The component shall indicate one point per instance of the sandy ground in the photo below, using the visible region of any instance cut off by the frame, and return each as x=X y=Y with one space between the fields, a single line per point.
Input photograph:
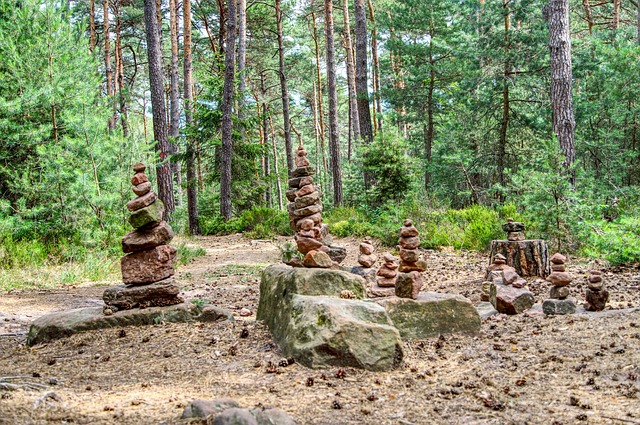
x=526 y=369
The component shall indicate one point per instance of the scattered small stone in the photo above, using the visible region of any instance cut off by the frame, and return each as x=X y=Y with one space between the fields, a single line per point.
x=244 y=312
x=336 y=404
x=244 y=333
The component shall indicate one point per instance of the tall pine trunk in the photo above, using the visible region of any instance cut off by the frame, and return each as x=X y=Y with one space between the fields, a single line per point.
x=354 y=123
x=158 y=108
x=375 y=71
x=283 y=87
x=320 y=112
x=334 y=139
x=92 y=25
x=242 y=59
x=557 y=15
x=227 y=110
x=364 y=113
x=192 y=190
x=174 y=97
x=111 y=124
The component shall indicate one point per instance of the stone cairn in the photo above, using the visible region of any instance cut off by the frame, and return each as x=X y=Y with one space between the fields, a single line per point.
x=388 y=272
x=367 y=258
x=409 y=280
x=515 y=230
x=596 y=295
x=559 y=301
x=147 y=269
x=505 y=289
x=305 y=216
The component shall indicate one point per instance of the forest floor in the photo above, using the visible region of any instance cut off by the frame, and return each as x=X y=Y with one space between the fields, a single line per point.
x=525 y=369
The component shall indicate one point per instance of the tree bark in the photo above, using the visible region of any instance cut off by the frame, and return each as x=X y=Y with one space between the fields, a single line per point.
x=364 y=113
x=227 y=109
x=174 y=95
x=242 y=58
x=192 y=192
x=375 y=69
x=334 y=137
x=92 y=25
x=354 y=124
x=284 y=90
x=111 y=124
x=506 y=112
x=120 y=74
x=429 y=130
x=154 y=54
x=557 y=15
x=529 y=257
x=320 y=114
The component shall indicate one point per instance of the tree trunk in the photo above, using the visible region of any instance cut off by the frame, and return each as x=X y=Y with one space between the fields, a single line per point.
x=557 y=15
x=120 y=74
x=429 y=130
x=320 y=114
x=154 y=53
x=192 y=192
x=227 y=109
x=506 y=113
x=266 y=120
x=334 y=138
x=588 y=16
x=375 y=71
x=174 y=95
x=285 y=91
x=92 y=25
x=242 y=58
x=364 y=113
x=354 y=124
x=222 y=29
x=111 y=125
x=529 y=257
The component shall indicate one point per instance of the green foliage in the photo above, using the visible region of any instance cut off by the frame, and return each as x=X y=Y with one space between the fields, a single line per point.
x=187 y=253
x=617 y=242
x=257 y=222
x=289 y=251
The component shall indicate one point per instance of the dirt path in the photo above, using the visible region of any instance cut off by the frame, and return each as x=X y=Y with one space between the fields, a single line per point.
x=526 y=369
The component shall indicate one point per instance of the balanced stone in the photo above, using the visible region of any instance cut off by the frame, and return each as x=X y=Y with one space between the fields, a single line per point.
x=157 y=294
x=409 y=243
x=307 y=200
x=303 y=171
x=139 y=178
x=418 y=266
x=409 y=255
x=553 y=306
x=366 y=247
x=291 y=194
x=305 y=190
x=294 y=183
x=508 y=299
x=148 y=266
x=304 y=181
x=559 y=303
x=142 y=201
x=558 y=267
x=147 y=237
x=307 y=244
x=558 y=258
x=139 y=167
x=560 y=278
x=408 y=285
x=142 y=188
x=308 y=210
x=367 y=260
x=559 y=292
x=315 y=258
x=596 y=294
x=147 y=215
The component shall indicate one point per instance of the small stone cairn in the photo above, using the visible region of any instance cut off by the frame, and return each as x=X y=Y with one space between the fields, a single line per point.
x=596 y=295
x=147 y=269
x=515 y=230
x=559 y=301
x=506 y=290
x=409 y=280
x=305 y=215
x=367 y=257
x=388 y=272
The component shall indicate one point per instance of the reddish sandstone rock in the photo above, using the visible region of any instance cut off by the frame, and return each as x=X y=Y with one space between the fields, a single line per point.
x=560 y=278
x=409 y=243
x=142 y=201
x=139 y=178
x=307 y=244
x=146 y=238
x=142 y=188
x=408 y=285
x=317 y=259
x=148 y=266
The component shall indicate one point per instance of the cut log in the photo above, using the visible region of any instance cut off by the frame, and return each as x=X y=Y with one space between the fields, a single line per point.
x=529 y=257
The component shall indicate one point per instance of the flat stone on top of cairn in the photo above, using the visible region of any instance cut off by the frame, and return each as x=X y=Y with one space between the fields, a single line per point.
x=596 y=295
x=149 y=260
x=559 y=301
x=305 y=216
x=409 y=280
x=515 y=230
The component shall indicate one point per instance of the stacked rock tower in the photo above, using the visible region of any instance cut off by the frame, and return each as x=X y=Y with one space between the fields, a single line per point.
x=409 y=280
x=559 y=301
x=596 y=295
x=147 y=269
x=367 y=257
x=305 y=216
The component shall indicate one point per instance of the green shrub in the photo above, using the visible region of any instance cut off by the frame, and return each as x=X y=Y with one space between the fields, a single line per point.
x=187 y=254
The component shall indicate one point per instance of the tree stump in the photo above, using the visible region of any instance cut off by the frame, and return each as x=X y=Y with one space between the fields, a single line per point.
x=529 y=257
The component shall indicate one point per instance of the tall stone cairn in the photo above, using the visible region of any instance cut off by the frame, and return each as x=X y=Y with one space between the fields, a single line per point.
x=559 y=301
x=596 y=295
x=409 y=280
x=305 y=217
x=147 y=269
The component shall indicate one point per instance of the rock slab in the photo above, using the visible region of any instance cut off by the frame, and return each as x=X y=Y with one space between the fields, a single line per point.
x=158 y=294
x=148 y=266
x=432 y=314
x=509 y=299
x=66 y=323
x=553 y=306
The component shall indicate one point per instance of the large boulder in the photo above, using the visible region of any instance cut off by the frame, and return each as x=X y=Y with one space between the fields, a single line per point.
x=66 y=323
x=319 y=331
x=508 y=299
x=432 y=314
x=325 y=331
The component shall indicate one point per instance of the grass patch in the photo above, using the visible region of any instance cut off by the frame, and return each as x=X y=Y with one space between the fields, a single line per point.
x=187 y=253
